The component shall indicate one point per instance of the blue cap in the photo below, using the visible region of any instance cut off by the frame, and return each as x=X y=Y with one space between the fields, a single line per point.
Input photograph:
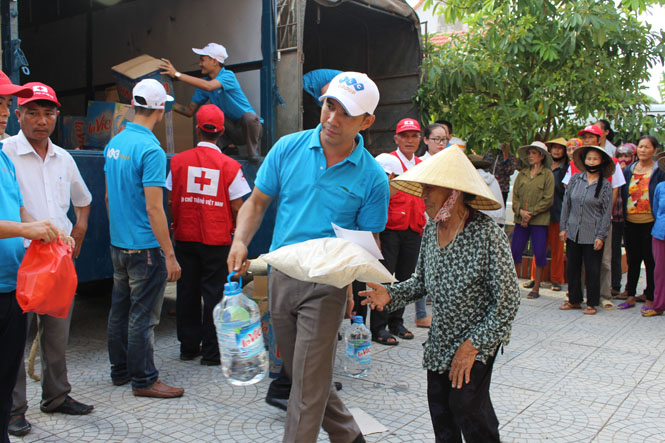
x=358 y=319
x=232 y=288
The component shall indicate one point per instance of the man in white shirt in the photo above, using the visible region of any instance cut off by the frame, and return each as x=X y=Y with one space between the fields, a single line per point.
x=49 y=180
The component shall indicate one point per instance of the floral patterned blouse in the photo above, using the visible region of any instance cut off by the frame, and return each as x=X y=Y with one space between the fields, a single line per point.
x=637 y=205
x=473 y=287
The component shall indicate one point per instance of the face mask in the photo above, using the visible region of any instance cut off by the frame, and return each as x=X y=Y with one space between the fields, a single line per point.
x=592 y=169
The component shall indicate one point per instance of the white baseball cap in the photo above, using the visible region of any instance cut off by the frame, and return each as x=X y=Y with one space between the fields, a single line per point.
x=152 y=92
x=390 y=163
x=213 y=50
x=355 y=91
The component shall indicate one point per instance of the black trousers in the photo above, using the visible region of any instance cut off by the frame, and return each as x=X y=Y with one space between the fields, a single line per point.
x=203 y=275
x=12 y=341
x=467 y=411
x=617 y=236
x=638 y=250
x=579 y=254
x=400 y=254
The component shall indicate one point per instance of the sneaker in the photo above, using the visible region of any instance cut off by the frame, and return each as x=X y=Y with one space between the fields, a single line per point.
x=71 y=407
x=159 y=390
x=18 y=425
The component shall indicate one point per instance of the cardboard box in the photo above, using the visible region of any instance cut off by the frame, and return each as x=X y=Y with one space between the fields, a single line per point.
x=129 y=73
x=72 y=132
x=104 y=120
x=183 y=132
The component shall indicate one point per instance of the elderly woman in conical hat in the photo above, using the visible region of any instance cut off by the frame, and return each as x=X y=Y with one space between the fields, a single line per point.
x=533 y=196
x=465 y=267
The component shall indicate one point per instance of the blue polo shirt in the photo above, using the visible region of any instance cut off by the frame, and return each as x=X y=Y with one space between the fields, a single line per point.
x=313 y=81
x=11 y=249
x=229 y=98
x=352 y=194
x=133 y=160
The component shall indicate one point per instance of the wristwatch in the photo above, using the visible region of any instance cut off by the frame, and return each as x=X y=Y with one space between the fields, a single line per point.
x=178 y=74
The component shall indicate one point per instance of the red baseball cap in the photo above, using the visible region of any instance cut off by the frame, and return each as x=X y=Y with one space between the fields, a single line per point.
x=40 y=91
x=593 y=129
x=210 y=118
x=407 y=124
x=9 y=88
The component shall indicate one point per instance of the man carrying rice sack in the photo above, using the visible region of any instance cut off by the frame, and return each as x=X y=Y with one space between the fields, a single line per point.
x=320 y=176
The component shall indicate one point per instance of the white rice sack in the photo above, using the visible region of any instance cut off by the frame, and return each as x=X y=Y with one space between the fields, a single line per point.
x=331 y=261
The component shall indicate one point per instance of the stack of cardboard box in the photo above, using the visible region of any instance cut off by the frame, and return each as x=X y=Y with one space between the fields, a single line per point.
x=107 y=118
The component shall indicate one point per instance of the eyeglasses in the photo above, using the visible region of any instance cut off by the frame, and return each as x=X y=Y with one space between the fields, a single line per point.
x=439 y=140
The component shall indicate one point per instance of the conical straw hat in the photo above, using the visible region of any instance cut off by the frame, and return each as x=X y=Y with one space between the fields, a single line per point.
x=449 y=168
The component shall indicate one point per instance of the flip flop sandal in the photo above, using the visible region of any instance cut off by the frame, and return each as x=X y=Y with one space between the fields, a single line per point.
x=608 y=305
x=590 y=310
x=533 y=294
x=625 y=305
x=622 y=296
x=642 y=298
x=646 y=308
x=651 y=313
x=530 y=284
x=383 y=338
x=556 y=287
x=567 y=306
x=402 y=333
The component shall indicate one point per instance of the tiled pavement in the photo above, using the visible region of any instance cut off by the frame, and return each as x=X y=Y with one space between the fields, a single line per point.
x=564 y=377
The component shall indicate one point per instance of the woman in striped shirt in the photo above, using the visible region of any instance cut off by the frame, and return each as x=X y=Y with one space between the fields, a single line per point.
x=585 y=223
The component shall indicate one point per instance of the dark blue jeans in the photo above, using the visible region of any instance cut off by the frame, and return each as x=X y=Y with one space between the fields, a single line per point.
x=12 y=342
x=139 y=279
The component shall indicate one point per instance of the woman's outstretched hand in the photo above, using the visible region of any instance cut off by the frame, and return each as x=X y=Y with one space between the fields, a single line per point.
x=376 y=298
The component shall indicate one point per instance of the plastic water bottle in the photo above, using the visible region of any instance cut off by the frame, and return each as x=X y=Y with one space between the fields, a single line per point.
x=357 y=344
x=238 y=324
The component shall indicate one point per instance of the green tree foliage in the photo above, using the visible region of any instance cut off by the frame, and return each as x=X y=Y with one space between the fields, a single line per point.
x=538 y=69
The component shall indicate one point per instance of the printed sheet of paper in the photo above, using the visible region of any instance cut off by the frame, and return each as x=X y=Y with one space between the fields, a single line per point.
x=367 y=423
x=361 y=238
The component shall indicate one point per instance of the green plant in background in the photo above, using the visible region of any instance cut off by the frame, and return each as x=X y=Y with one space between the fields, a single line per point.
x=538 y=69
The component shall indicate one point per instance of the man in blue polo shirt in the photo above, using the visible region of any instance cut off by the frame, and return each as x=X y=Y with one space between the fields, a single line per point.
x=318 y=176
x=141 y=250
x=220 y=87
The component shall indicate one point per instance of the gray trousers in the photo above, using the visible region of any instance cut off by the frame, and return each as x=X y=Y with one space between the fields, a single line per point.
x=246 y=131
x=306 y=318
x=53 y=337
x=606 y=269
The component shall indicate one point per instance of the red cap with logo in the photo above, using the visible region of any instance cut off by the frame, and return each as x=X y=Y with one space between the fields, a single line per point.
x=592 y=129
x=210 y=118
x=40 y=91
x=407 y=124
x=9 y=88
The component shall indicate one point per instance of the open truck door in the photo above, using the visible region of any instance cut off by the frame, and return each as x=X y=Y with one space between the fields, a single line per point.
x=378 y=37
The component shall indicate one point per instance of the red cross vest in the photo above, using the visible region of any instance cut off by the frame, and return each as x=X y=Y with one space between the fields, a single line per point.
x=406 y=211
x=200 y=195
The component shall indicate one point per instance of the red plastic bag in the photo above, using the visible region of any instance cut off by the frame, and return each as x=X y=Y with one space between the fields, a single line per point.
x=47 y=280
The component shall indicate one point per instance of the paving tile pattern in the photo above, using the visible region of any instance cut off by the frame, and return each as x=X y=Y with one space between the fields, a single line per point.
x=565 y=377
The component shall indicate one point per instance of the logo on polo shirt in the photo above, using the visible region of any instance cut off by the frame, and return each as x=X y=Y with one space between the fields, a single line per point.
x=202 y=180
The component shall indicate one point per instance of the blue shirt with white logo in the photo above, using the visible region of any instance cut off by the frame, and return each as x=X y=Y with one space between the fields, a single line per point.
x=313 y=81
x=11 y=249
x=352 y=194
x=133 y=160
x=229 y=98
